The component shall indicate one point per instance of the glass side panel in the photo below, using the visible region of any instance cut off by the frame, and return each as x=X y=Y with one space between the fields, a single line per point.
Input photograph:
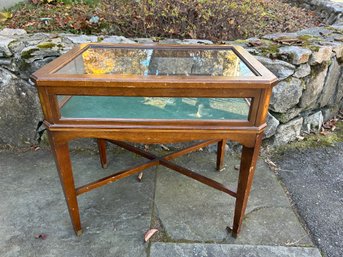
x=105 y=107
x=156 y=62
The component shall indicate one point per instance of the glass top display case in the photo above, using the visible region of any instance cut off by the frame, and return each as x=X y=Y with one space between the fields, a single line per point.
x=122 y=93
x=174 y=75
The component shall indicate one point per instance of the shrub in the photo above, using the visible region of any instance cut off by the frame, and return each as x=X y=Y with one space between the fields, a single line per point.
x=210 y=19
x=89 y=2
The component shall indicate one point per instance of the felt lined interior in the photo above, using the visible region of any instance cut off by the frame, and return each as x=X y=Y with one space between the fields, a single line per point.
x=155 y=108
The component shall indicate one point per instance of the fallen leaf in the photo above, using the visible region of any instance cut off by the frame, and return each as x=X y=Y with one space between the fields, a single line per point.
x=31 y=23
x=300 y=138
x=165 y=148
x=271 y=163
x=149 y=234
x=4 y=16
x=326 y=126
x=140 y=176
x=324 y=133
x=41 y=236
x=35 y=148
x=330 y=125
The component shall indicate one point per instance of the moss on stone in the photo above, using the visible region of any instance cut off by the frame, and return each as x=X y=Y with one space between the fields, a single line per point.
x=316 y=140
x=318 y=68
x=241 y=41
x=28 y=53
x=156 y=39
x=271 y=49
x=162 y=235
x=313 y=48
x=13 y=44
x=309 y=40
x=335 y=30
x=305 y=37
x=45 y=45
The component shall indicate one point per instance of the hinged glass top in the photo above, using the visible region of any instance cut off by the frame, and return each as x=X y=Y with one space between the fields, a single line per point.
x=154 y=61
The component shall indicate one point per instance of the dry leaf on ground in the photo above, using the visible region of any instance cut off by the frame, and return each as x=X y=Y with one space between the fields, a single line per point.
x=5 y=16
x=140 y=176
x=165 y=148
x=41 y=236
x=149 y=234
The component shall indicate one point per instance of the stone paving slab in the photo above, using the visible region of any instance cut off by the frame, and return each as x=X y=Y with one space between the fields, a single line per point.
x=114 y=217
x=222 y=250
x=197 y=212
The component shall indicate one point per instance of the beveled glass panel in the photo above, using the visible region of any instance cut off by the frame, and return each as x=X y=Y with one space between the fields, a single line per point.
x=117 y=107
x=157 y=62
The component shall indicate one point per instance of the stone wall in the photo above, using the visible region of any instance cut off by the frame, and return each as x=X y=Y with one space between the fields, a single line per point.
x=308 y=64
x=331 y=10
x=4 y=4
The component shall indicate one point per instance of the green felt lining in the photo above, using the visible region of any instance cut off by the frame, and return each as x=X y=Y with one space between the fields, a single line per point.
x=155 y=108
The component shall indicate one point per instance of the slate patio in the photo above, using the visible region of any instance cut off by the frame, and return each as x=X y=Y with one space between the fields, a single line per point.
x=191 y=217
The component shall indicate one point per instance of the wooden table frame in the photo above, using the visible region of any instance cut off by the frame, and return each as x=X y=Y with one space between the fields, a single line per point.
x=62 y=130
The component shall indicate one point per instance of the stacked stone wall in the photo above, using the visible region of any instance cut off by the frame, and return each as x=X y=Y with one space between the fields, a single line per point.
x=330 y=10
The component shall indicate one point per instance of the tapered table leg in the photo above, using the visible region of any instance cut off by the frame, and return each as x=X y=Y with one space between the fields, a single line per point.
x=64 y=168
x=102 y=152
x=246 y=174
x=221 y=154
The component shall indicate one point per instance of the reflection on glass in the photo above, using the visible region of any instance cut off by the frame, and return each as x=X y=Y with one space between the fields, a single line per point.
x=153 y=108
x=157 y=62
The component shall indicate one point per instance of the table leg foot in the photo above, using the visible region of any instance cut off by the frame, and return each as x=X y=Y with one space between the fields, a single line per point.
x=234 y=234
x=231 y=231
x=79 y=232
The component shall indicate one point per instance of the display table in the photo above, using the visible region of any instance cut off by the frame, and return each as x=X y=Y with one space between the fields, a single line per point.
x=155 y=94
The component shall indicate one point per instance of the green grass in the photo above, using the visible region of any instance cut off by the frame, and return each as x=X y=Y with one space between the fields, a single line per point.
x=314 y=140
